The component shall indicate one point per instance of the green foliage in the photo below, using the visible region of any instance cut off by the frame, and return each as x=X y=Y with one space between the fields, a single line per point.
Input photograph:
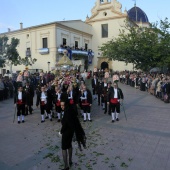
x=144 y=47
x=9 y=53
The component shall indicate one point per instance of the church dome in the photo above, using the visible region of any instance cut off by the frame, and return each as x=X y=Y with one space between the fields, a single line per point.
x=137 y=15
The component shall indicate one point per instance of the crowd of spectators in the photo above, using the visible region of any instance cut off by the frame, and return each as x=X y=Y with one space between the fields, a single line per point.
x=156 y=84
x=8 y=85
x=74 y=48
x=6 y=88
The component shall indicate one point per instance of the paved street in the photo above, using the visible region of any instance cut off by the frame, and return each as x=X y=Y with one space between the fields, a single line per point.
x=140 y=143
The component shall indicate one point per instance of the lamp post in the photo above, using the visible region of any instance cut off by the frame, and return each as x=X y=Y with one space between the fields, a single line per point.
x=28 y=54
x=48 y=66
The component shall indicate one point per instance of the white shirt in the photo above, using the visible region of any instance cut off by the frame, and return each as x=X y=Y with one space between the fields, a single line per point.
x=43 y=97
x=58 y=96
x=105 y=84
x=85 y=96
x=71 y=95
x=19 y=95
x=95 y=81
x=115 y=93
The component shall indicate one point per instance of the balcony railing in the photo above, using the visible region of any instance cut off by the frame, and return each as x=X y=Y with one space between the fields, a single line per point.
x=43 y=51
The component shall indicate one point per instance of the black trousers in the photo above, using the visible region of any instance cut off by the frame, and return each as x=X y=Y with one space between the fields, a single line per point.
x=115 y=107
x=58 y=109
x=43 y=109
x=20 y=109
x=98 y=98
x=105 y=105
x=86 y=108
x=28 y=108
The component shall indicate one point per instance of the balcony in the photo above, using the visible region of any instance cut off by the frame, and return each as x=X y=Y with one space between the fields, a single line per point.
x=44 y=51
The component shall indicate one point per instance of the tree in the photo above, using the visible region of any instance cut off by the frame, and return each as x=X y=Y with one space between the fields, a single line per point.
x=144 y=47
x=9 y=53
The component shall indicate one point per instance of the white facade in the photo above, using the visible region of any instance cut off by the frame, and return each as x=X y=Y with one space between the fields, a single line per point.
x=89 y=32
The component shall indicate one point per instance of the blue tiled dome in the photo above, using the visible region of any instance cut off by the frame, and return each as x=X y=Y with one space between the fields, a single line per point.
x=136 y=11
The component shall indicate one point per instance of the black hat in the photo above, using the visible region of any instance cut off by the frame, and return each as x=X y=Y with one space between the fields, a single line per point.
x=109 y=82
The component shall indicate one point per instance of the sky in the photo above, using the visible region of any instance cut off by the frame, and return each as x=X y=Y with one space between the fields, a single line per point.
x=36 y=12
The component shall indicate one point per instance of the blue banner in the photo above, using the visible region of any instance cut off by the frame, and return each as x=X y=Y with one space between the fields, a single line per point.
x=69 y=54
x=90 y=56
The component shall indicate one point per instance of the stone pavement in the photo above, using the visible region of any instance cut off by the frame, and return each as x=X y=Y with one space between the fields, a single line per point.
x=140 y=143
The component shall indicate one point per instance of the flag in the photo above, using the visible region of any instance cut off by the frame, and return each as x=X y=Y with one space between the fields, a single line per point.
x=90 y=57
x=69 y=54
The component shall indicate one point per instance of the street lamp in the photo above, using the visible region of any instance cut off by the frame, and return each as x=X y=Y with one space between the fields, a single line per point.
x=48 y=66
x=28 y=54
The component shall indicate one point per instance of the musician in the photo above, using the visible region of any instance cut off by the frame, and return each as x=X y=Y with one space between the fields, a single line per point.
x=20 y=102
x=115 y=94
x=86 y=100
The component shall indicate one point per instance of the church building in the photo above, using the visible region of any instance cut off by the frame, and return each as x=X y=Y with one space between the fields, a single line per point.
x=82 y=39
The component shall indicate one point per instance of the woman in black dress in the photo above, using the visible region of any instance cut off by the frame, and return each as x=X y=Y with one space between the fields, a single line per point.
x=70 y=125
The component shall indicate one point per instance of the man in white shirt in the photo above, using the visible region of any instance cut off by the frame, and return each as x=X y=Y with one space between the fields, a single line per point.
x=115 y=94
x=20 y=102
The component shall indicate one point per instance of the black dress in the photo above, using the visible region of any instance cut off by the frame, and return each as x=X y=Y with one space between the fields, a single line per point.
x=70 y=125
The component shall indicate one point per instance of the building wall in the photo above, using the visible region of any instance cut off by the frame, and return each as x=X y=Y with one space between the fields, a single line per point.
x=32 y=38
x=107 y=13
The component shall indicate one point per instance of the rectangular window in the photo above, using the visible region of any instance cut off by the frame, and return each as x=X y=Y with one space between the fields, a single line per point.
x=76 y=44
x=86 y=46
x=45 y=43
x=64 y=41
x=104 y=30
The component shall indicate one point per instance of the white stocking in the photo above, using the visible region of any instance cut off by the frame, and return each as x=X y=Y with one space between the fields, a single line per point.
x=113 y=116
x=42 y=117
x=88 y=114
x=84 y=116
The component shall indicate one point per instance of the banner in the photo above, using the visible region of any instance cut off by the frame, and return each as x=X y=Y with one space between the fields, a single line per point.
x=90 y=56
x=69 y=54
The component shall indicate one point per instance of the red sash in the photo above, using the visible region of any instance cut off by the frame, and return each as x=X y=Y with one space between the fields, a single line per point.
x=114 y=101
x=42 y=103
x=71 y=101
x=20 y=102
x=85 y=103
x=58 y=103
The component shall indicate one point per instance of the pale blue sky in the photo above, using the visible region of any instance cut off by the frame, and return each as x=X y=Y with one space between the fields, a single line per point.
x=35 y=12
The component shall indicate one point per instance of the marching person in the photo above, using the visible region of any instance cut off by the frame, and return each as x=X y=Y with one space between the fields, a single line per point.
x=80 y=103
x=57 y=102
x=43 y=101
x=29 y=91
x=108 y=88
x=50 y=92
x=94 y=84
x=72 y=97
x=20 y=102
x=115 y=94
x=42 y=81
x=104 y=95
x=86 y=101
